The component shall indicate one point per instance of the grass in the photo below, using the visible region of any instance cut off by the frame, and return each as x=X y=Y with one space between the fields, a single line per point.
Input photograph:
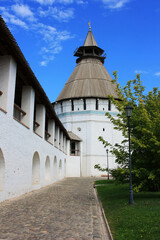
x=130 y=222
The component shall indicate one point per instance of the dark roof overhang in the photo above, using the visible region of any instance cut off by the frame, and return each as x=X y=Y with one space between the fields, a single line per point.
x=79 y=51
x=9 y=46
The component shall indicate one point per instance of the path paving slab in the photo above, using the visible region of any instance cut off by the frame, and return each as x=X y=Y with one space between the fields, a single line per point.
x=66 y=210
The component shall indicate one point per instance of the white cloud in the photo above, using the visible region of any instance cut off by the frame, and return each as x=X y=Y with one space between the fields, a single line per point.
x=65 y=1
x=18 y=22
x=43 y=63
x=115 y=4
x=23 y=11
x=157 y=74
x=64 y=35
x=46 y=60
x=10 y=18
x=49 y=38
x=45 y=2
x=2 y=9
x=81 y=2
x=62 y=15
x=140 y=72
x=57 y=50
x=48 y=33
x=52 y=39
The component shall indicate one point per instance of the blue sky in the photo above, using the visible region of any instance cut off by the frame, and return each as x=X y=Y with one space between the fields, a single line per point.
x=49 y=31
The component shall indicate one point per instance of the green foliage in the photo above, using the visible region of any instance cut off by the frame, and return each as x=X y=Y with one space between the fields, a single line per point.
x=97 y=166
x=145 y=134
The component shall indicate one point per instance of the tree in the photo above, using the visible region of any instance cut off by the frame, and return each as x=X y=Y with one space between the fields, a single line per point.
x=145 y=135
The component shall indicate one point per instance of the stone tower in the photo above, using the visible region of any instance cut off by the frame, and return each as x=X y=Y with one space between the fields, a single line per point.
x=83 y=102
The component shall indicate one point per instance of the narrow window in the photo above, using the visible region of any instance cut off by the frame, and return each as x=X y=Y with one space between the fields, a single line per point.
x=61 y=107
x=47 y=134
x=109 y=105
x=84 y=104
x=18 y=112
x=96 y=104
x=74 y=148
x=72 y=105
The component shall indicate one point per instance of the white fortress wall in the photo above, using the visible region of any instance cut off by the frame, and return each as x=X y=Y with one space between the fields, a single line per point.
x=28 y=158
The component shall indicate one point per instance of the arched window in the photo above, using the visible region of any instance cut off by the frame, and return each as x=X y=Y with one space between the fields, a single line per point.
x=55 y=168
x=2 y=171
x=47 y=169
x=36 y=169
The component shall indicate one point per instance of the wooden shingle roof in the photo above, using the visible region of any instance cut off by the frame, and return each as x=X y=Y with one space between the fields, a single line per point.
x=90 y=78
x=90 y=40
x=74 y=137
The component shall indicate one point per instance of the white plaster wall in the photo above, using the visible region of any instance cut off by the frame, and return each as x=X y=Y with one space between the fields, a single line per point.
x=73 y=166
x=89 y=125
x=18 y=145
x=8 y=69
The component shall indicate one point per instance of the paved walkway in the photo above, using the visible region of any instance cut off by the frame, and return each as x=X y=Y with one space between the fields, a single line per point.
x=66 y=210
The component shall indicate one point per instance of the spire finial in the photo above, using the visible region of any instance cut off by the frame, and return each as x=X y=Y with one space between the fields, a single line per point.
x=89 y=25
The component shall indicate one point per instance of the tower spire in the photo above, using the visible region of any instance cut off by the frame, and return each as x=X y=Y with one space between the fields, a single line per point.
x=89 y=25
x=90 y=48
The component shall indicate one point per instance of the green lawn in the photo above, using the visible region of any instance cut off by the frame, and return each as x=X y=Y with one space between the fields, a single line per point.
x=130 y=222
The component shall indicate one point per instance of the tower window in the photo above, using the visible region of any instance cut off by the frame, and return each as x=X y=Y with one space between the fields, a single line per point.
x=109 y=105
x=88 y=51
x=72 y=105
x=96 y=104
x=84 y=104
x=61 y=107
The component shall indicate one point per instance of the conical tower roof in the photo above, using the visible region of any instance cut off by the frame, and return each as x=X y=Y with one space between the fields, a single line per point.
x=90 y=40
x=89 y=78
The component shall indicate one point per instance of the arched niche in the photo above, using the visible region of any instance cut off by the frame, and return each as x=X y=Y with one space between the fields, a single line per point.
x=64 y=167
x=36 y=169
x=47 y=169
x=2 y=171
x=55 y=168
x=60 y=168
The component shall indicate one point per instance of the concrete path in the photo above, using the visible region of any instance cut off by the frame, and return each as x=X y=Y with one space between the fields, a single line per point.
x=66 y=210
